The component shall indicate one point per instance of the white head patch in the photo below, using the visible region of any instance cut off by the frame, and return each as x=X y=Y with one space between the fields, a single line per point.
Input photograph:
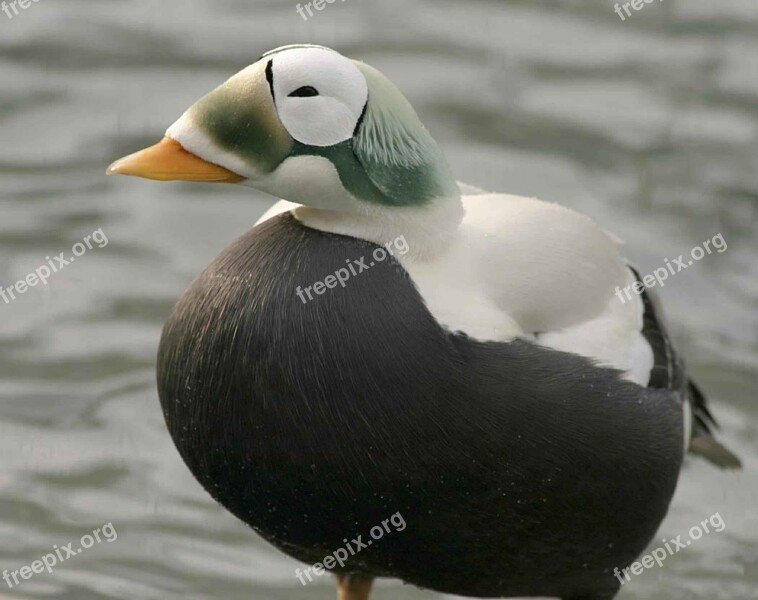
x=319 y=95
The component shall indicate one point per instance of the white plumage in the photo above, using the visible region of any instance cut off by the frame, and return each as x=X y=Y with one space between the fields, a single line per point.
x=514 y=267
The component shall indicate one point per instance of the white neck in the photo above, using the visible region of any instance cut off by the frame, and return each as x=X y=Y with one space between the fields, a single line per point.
x=426 y=229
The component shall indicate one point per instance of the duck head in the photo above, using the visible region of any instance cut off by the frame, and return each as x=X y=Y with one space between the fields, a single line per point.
x=309 y=125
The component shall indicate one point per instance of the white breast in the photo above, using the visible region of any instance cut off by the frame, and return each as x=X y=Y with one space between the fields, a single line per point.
x=520 y=267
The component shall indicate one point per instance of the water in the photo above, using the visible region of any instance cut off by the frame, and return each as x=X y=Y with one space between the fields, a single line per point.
x=647 y=125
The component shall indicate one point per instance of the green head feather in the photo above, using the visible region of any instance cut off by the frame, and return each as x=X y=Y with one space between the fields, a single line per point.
x=397 y=153
x=390 y=159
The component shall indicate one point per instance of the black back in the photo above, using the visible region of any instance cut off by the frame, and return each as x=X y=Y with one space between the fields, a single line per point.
x=519 y=470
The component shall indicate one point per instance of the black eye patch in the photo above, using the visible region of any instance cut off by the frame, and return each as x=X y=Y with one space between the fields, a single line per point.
x=304 y=92
x=270 y=76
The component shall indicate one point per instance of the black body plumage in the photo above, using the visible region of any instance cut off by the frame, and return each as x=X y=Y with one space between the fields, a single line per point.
x=518 y=469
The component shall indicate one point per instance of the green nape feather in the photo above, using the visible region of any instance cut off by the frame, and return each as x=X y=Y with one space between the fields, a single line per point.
x=392 y=159
x=396 y=151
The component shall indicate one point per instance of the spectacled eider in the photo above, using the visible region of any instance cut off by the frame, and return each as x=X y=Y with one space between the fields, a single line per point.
x=487 y=383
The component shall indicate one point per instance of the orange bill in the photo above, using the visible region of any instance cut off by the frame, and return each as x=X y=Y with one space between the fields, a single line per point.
x=168 y=161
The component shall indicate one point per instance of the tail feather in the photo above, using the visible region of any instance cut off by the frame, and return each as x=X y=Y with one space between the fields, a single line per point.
x=714 y=452
x=669 y=373
x=703 y=416
x=703 y=443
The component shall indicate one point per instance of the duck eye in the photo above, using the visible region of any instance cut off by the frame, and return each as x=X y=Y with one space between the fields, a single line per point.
x=304 y=92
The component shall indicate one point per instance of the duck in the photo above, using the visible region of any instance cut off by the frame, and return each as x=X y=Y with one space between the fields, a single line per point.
x=413 y=377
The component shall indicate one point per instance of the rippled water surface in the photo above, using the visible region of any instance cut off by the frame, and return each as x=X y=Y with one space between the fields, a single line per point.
x=647 y=125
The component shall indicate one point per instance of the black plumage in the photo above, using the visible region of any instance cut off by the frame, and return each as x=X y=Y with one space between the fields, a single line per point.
x=519 y=470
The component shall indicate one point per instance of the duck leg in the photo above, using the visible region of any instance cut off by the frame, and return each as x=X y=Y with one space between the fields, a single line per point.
x=353 y=587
